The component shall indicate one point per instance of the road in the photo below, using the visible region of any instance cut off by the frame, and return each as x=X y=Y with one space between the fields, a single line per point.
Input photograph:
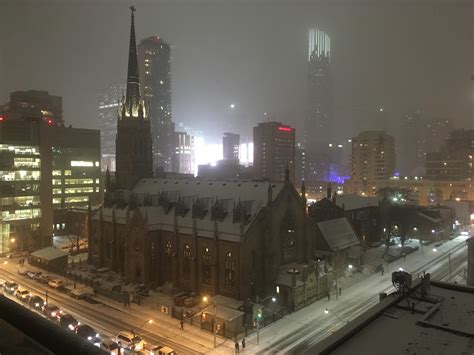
x=294 y=333
x=108 y=321
x=305 y=328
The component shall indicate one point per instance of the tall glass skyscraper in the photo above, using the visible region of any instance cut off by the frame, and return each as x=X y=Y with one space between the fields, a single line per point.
x=154 y=57
x=319 y=107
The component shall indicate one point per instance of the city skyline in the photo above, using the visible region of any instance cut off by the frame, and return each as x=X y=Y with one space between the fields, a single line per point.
x=366 y=60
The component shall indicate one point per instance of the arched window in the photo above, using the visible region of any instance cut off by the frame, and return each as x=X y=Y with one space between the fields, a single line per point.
x=206 y=266
x=187 y=262
x=229 y=272
x=288 y=239
x=168 y=248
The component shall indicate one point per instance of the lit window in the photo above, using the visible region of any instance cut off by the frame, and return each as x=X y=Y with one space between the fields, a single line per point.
x=82 y=163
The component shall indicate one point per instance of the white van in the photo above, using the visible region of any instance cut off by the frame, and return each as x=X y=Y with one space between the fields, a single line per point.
x=55 y=283
x=130 y=341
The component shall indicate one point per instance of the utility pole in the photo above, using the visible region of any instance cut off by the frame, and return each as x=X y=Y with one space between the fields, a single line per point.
x=449 y=263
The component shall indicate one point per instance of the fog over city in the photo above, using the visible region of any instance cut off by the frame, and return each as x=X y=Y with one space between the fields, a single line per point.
x=399 y=55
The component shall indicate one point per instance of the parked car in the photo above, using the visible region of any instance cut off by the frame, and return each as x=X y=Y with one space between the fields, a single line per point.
x=10 y=287
x=110 y=346
x=37 y=303
x=22 y=294
x=55 y=283
x=69 y=322
x=162 y=350
x=80 y=293
x=88 y=333
x=32 y=274
x=44 y=279
x=23 y=271
x=52 y=311
x=128 y=340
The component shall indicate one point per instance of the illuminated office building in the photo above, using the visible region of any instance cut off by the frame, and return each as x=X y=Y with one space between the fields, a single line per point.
x=46 y=169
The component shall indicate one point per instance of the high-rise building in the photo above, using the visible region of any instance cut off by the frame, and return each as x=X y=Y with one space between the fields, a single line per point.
x=133 y=145
x=231 y=146
x=274 y=151
x=454 y=161
x=319 y=107
x=109 y=101
x=300 y=164
x=35 y=105
x=183 y=159
x=154 y=58
x=373 y=159
x=410 y=144
x=46 y=169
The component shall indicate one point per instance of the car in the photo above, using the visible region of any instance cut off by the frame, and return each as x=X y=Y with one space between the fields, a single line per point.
x=110 y=346
x=32 y=274
x=80 y=293
x=88 y=333
x=44 y=279
x=23 y=271
x=69 y=322
x=55 y=283
x=162 y=350
x=130 y=341
x=51 y=311
x=10 y=287
x=22 y=294
x=37 y=303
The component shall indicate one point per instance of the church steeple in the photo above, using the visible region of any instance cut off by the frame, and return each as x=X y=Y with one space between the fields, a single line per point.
x=133 y=143
x=133 y=106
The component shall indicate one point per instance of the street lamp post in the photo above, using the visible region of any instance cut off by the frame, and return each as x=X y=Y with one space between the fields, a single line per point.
x=205 y=300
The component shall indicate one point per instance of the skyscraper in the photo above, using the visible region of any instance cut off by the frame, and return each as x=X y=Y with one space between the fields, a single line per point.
x=319 y=108
x=154 y=58
x=183 y=159
x=109 y=100
x=231 y=146
x=373 y=159
x=133 y=145
x=274 y=151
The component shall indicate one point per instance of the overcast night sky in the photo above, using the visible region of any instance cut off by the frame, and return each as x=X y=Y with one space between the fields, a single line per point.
x=402 y=55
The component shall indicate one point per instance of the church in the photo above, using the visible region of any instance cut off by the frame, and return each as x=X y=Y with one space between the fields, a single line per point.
x=212 y=237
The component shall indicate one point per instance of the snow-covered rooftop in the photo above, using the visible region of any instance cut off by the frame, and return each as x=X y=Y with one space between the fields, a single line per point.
x=354 y=202
x=338 y=233
x=252 y=195
x=49 y=253
x=441 y=324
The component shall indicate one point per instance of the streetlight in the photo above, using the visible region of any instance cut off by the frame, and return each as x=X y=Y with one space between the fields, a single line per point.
x=205 y=299
x=232 y=105
x=5 y=262
x=12 y=240
x=326 y=311
x=350 y=266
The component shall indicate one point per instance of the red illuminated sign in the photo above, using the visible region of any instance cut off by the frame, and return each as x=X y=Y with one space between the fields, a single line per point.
x=285 y=129
x=50 y=122
x=2 y=118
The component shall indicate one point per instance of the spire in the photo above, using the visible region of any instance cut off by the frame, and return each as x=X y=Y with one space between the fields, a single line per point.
x=132 y=98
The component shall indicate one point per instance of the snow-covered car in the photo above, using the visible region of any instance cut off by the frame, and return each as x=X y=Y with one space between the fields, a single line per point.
x=55 y=283
x=22 y=294
x=10 y=287
x=128 y=340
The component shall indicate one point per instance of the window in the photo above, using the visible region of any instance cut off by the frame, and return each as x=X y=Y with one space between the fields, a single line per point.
x=187 y=262
x=229 y=272
x=287 y=239
x=206 y=267
x=168 y=248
